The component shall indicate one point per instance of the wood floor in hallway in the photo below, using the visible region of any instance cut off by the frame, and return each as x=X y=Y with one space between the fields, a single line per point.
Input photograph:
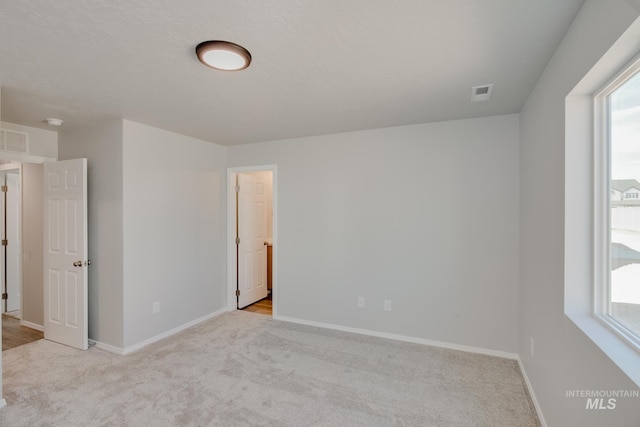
x=14 y=335
x=264 y=306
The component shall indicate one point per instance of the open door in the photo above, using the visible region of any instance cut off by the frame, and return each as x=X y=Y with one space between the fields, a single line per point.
x=251 y=233
x=65 y=253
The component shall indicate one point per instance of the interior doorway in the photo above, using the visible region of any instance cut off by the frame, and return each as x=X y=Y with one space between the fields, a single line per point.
x=10 y=237
x=22 y=311
x=252 y=239
x=63 y=316
x=24 y=250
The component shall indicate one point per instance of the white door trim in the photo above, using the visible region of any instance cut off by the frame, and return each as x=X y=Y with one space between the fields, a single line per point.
x=15 y=168
x=231 y=234
x=14 y=236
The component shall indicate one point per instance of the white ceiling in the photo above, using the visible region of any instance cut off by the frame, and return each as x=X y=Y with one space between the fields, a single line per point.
x=318 y=67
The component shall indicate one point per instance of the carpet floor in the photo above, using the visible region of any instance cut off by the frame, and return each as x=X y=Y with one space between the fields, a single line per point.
x=246 y=369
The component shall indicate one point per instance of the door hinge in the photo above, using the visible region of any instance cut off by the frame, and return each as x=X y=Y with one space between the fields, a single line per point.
x=237 y=292
x=5 y=296
x=237 y=188
x=237 y=240
x=5 y=188
x=5 y=242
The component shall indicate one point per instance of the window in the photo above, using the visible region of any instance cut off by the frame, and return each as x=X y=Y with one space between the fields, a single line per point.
x=617 y=220
x=588 y=213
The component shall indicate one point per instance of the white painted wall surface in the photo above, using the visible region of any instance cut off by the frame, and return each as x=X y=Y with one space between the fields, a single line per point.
x=101 y=144
x=564 y=358
x=174 y=230
x=378 y=214
x=32 y=238
x=42 y=142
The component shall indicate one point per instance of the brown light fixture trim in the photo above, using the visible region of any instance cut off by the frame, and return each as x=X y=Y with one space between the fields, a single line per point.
x=223 y=55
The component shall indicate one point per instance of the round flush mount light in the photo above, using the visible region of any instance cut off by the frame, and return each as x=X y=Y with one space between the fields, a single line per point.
x=223 y=55
x=54 y=122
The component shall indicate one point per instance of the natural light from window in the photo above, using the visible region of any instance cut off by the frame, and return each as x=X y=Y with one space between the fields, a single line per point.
x=623 y=296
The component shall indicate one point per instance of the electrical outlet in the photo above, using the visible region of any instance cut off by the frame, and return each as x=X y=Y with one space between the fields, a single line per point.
x=360 y=302
x=387 y=305
x=531 y=344
x=156 y=307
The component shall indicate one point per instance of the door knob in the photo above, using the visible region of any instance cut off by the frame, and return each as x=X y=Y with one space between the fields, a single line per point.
x=77 y=264
x=87 y=262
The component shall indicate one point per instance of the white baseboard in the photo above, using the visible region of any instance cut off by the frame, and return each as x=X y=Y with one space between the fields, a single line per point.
x=108 y=347
x=536 y=404
x=32 y=325
x=450 y=346
x=159 y=337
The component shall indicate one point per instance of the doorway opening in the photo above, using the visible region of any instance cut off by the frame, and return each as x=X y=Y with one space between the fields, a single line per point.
x=21 y=272
x=252 y=237
x=55 y=304
x=11 y=246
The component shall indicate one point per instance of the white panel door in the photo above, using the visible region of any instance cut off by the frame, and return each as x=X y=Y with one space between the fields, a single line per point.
x=252 y=231
x=13 y=241
x=65 y=253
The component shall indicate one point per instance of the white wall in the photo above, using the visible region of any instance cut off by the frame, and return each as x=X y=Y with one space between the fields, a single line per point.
x=42 y=142
x=174 y=230
x=32 y=243
x=564 y=358
x=101 y=144
x=156 y=228
x=382 y=214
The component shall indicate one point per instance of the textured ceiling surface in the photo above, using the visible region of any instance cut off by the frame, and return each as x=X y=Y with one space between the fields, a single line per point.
x=318 y=67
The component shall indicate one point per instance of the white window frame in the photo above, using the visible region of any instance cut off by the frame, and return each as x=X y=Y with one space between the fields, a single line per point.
x=602 y=202
x=579 y=224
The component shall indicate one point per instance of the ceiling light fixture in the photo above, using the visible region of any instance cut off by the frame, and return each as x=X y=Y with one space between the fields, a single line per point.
x=223 y=55
x=54 y=122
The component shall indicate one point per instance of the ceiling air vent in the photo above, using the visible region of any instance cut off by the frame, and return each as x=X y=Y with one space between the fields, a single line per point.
x=481 y=93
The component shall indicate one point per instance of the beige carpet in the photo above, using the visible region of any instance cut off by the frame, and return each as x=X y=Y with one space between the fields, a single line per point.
x=245 y=369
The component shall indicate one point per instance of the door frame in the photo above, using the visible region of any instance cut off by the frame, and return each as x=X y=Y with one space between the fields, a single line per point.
x=19 y=159
x=4 y=169
x=232 y=277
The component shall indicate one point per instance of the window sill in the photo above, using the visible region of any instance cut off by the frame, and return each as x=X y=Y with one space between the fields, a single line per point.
x=619 y=351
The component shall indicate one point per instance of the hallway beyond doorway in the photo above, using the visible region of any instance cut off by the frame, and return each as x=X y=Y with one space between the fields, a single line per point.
x=15 y=335
x=264 y=306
